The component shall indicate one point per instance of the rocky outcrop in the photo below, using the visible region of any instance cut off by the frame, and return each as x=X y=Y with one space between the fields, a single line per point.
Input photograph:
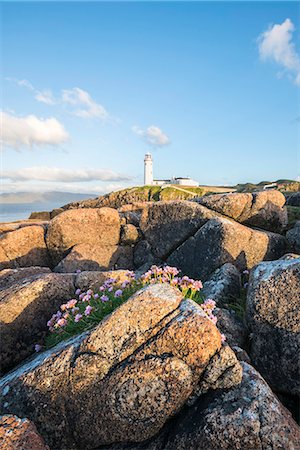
x=21 y=276
x=19 y=434
x=129 y=234
x=248 y=417
x=166 y=225
x=98 y=227
x=23 y=247
x=260 y=209
x=273 y=317
x=27 y=299
x=135 y=370
x=221 y=241
x=224 y=285
x=293 y=199
x=293 y=238
x=232 y=326
x=96 y=257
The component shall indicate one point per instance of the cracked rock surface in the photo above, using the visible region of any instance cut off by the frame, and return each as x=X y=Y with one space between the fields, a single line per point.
x=273 y=317
x=246 y=417
x=135 y=370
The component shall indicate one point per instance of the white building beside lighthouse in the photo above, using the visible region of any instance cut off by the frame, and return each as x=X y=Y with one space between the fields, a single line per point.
x=148 y=170
x=149 y=181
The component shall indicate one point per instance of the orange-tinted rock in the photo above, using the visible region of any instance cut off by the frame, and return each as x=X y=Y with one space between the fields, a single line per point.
x=96 y=257
x=134 y=370
x=263 y=209
x=25 y=307
x=23 y=248
x=19 y=434
x=99 y=227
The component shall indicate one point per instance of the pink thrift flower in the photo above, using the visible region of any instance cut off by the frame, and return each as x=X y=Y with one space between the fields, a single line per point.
x=78 y=317
x=118 y=293
x=37 y=347
x=96 y=296
x=223 y=338
x=88 y=310
x=61 y=322
x=104 y=298
x=78 y=291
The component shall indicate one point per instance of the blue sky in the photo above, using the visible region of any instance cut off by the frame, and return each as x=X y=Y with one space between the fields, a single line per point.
x=88 y=88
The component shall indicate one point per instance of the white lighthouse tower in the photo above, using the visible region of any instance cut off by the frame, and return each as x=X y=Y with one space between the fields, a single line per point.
x=148 y=170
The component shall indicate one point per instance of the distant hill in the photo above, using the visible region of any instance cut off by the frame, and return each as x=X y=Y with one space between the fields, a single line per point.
x=42 y=197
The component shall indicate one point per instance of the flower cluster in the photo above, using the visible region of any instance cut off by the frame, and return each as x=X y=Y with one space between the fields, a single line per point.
x=89 y=308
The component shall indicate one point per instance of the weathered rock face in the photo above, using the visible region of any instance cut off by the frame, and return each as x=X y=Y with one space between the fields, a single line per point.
x=273 y=316
x=260 y=209
x=93 y=280
x=129 y=234
x=224 y=285
x=135 y=370
x=96 y=257
x=221 y=241
x=294 y=199
x=23 y=248
x=247 y=417
x=19 y=434
x=293 y=238
x=231 y=326
x=166 y=225
x=98 y=227
x=26 y=304
x=9 y=277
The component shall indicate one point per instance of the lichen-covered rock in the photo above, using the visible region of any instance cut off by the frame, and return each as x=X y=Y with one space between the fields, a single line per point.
x=9 y=277
x=129 y=234
x=26 y=304
x=231 y=326
x=263 y=209
x=221 y=241
x=90 y=257
x=293 y=238
x=23 y=247
x=166 y=225
x=246 y=417
x=94 y=279
x=19 y=434
x=143 y=256
x=273 y=318
x=224 y=285
x=135 y=370
x=223 y=372
x=293 y=199
x=98 y=227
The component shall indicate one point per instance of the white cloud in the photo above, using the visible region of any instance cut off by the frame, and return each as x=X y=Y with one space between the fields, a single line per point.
x=55 y=174
x=86 y=106
x=152 y=135
x=44 y=96
x=276 y=45
x=31 y=131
